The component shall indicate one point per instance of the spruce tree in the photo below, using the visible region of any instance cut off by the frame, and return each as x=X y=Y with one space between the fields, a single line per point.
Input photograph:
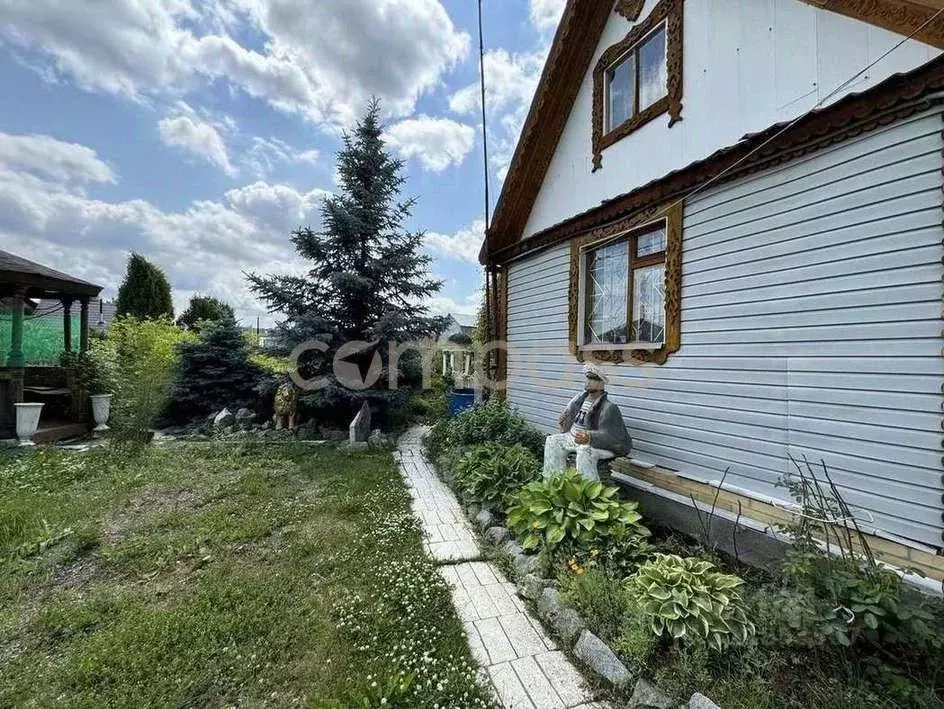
x=367 y=276
x=214 y=372
x=203 y=308
x=145 y=292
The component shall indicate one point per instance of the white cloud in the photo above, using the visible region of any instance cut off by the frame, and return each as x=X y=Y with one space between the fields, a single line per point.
x=546 y=14
x=464 y=310
x=204 y=248
x=438 y=143
x=265 y=155
x=318 y=59
x=510 y=81
x=45 y=156
x=464 y=245
x=198 y=137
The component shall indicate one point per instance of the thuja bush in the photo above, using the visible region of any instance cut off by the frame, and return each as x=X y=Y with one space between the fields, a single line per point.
x=489 y=423
x=492 y=474
x=569 y=513
x=689 y=600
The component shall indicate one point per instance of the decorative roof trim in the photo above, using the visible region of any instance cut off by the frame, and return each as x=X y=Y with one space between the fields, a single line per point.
x=630 y=9
x=897 y=97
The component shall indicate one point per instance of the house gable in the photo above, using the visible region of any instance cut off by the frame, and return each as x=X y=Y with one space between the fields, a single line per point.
x=746 y=66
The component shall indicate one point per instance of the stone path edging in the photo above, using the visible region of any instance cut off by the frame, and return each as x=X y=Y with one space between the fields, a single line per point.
x=522 y=664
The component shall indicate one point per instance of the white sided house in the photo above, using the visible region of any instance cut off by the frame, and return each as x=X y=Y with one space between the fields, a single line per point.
x=736 y=207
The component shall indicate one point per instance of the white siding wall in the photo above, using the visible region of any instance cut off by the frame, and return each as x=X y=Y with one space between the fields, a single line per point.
x=747 y=64
x=811 y=326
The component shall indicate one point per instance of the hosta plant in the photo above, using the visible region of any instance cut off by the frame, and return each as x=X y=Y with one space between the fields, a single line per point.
x=570 y=513
x=689 y=600
x=491 y=474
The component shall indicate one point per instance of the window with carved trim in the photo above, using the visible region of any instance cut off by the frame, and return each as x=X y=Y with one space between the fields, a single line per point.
x=639 y=78
x=624 y=290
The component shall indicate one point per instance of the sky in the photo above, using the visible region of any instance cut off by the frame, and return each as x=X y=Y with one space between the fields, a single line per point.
x=200 y=133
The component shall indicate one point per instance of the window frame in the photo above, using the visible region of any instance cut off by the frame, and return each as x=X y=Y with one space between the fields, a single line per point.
x=633 y=52
x=667 y=13
x=632 y=227
x=634 y=262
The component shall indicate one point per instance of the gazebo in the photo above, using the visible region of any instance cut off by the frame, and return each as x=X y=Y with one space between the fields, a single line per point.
x=22 y=280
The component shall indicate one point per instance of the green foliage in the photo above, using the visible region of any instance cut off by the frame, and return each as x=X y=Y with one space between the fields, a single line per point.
x=690 y=601
x=492 y=474
x=842 y=595
x=491 y=422
x=235 y=574
x=145 y=292
x=367 y=279
x=204 y=308
x=568 y=513
x=214 y=371
x=601 y=600
x=137 y=360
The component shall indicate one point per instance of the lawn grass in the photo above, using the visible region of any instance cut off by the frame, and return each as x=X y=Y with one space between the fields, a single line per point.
x=221 y=574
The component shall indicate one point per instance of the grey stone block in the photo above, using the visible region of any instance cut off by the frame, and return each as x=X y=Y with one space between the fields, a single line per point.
x=596 y=655
x=224 y=419
x=525 y=564
x=498 y=535
x=649 y=696
x=549 y=604
x=700 y=701
x=531 y=587
x=512 y=548
x=568 y=624
x=483 y=519
x=472 y=511
x=359 y=430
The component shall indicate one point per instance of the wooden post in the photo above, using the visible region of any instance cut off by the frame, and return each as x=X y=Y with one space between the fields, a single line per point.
x=84 y=326
x=16 y=359
x=67 y=323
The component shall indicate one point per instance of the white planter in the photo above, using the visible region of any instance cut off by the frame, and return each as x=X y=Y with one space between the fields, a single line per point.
x=27 y=422
x=101 y=410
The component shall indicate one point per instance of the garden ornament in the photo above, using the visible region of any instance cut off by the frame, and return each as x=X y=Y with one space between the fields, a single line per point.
x=591 y=426
x=286 y=407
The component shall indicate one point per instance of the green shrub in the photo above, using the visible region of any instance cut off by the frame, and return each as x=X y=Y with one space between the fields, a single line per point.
x=489 y=423
x=569 y=513
x=214 y=371
x=690 y=601
x=137 y=359
x=602 y=601
x=492 y=474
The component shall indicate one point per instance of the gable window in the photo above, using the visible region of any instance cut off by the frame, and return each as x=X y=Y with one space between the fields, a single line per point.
x=639 y=78
x=625 y=288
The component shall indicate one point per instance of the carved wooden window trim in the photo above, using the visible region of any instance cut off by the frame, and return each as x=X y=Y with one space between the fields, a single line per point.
x=630 y=9
x=616 y=354
x=670 y=13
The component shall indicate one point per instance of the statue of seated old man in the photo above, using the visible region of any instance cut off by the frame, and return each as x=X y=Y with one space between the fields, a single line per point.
x=591 y=426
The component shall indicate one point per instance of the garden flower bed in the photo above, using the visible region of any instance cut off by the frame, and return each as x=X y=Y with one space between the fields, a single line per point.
x=665 y=618
x=221 y=574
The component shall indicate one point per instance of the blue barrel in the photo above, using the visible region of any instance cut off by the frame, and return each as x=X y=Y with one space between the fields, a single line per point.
x=460 y=400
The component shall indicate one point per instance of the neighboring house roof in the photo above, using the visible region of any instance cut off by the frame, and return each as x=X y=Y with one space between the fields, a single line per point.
x=574 y=46
x=18 y=271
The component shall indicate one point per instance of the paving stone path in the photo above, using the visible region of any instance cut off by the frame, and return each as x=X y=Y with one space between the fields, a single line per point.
x=523 y=664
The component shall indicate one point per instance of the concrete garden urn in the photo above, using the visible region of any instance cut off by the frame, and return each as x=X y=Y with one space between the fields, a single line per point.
x=27 y=422
x=101 y=410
